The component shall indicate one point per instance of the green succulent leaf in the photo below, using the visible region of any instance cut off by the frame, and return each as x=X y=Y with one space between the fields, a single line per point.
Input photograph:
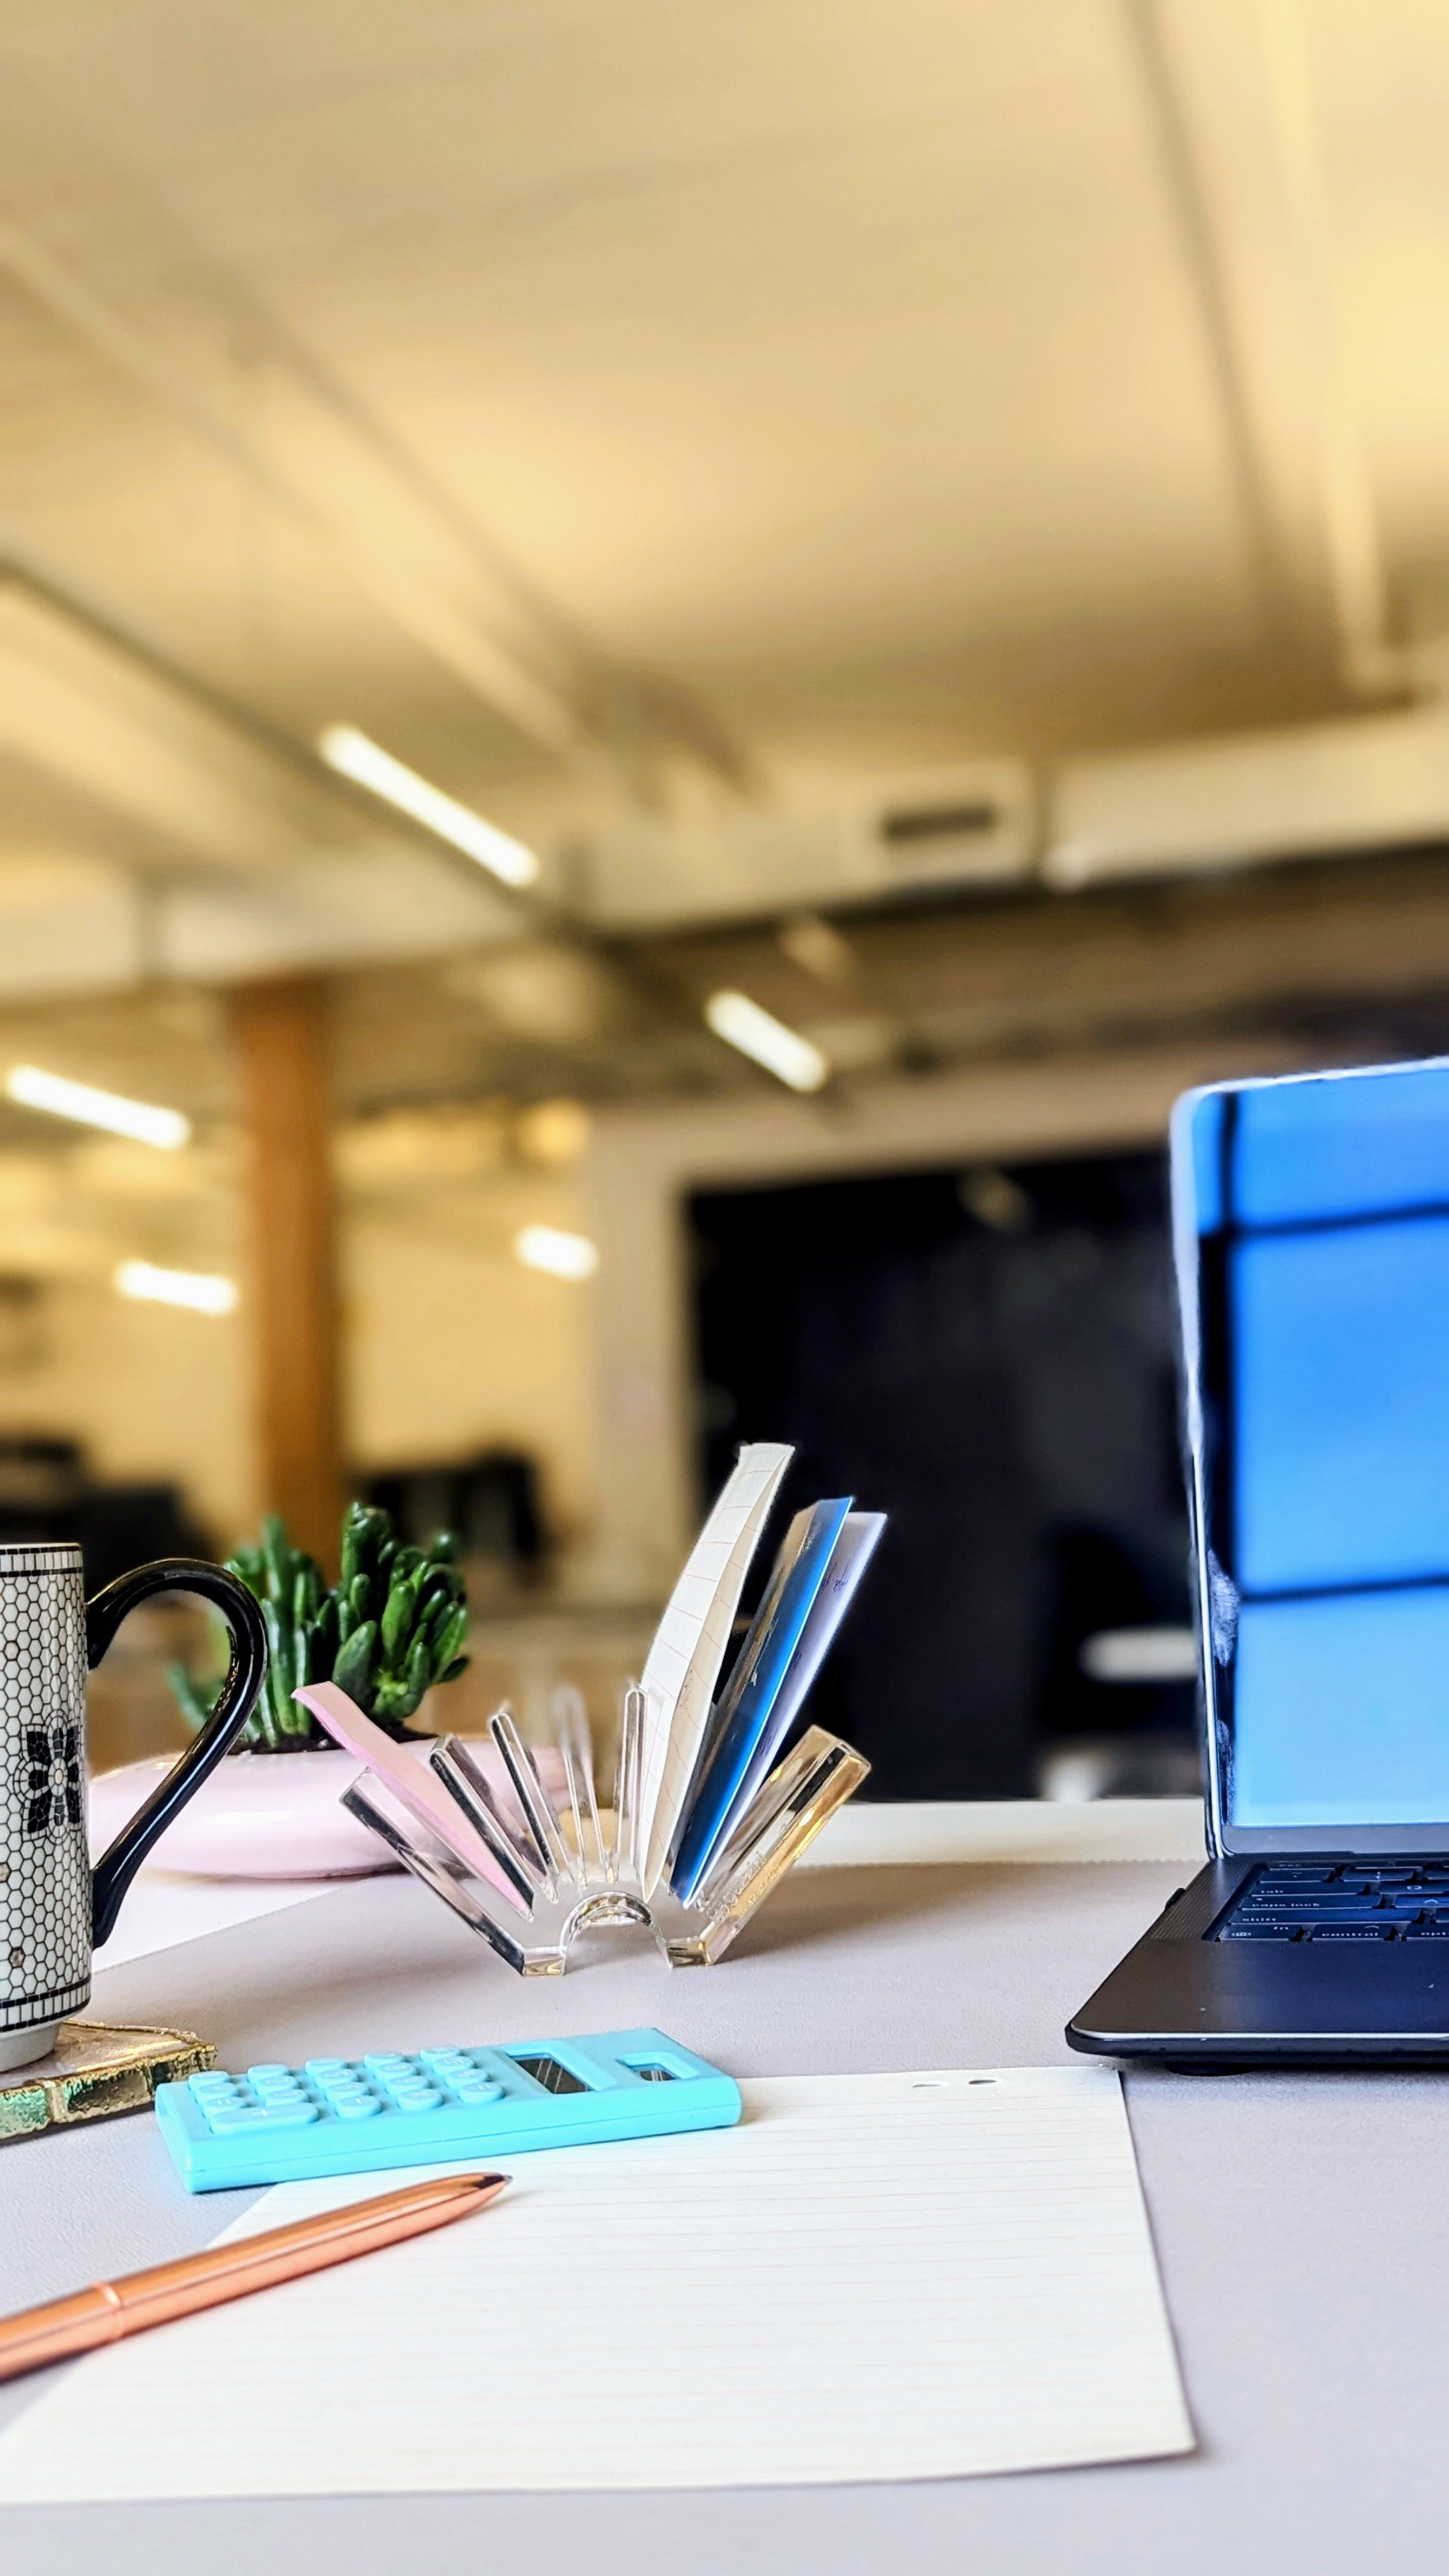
x=448 y=1644
x=276 y=1558
x=398 y=1617
x=193 y=1700
x=418 y=1675
x=351 y=1550
x=326 y=1637
x=249 y=1568
x=353 y=1669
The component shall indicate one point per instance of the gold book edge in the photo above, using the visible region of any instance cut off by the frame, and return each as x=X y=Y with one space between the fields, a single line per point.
x=96 y=2071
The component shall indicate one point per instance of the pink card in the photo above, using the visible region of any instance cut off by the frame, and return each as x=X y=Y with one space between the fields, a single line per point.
x=411 y=1781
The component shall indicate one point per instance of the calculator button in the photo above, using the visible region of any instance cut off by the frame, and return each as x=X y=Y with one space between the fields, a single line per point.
x=418 y=2098
x=356 y=2106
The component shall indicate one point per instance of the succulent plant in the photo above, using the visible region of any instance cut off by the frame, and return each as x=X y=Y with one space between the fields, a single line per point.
x=390 y=1627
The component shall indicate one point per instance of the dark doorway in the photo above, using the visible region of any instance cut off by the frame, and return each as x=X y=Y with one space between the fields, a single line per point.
x=988 y=1355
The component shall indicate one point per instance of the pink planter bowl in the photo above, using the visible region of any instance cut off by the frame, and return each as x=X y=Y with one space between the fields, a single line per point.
x=267 y=1815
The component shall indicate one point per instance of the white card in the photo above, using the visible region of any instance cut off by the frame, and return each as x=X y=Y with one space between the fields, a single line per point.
x=689 y=1647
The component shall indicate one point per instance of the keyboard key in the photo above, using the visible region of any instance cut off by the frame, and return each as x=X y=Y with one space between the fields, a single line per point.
x=1265 y=1923
x=1298 y=1914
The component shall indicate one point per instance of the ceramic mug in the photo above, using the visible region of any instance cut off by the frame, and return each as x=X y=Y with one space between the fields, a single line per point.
x=54 y=1909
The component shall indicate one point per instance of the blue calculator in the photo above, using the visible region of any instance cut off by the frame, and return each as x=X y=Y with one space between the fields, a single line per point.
x=340 y=2115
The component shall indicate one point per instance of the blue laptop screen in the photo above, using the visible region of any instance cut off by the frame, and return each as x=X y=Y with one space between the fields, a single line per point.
x=1321 y=1210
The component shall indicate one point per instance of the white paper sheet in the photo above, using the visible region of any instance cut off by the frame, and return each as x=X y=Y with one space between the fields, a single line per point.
x=689 y=1645
x=164 y=1907
x=874 y=2277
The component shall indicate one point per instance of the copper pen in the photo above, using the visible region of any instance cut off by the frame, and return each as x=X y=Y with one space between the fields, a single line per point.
x=111 y=2309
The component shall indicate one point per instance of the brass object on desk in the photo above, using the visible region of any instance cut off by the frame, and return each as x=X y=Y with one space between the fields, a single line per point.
x=96 y=2070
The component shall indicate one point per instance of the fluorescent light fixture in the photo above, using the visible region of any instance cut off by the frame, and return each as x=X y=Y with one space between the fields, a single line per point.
x=201 y=1290
x=758 y=1034
x=119 y=1116
x=359 y=758
x=548 y=1247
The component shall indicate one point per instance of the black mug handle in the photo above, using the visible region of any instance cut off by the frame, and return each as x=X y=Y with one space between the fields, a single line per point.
x=113 y=1874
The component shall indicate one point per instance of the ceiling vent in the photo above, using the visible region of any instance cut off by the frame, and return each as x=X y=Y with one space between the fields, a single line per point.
x=965 y=827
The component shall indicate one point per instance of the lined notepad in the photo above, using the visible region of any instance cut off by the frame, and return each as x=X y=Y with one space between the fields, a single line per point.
x=874 y=2277
x=689 y=1647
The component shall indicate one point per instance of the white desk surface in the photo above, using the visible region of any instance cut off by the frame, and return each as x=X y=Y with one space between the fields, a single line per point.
x=1301 y=2222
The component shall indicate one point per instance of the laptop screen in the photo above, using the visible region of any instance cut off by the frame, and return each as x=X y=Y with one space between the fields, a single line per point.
x=1312 y=1222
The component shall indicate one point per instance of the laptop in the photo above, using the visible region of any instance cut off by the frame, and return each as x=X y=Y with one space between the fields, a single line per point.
x=1311 y=1245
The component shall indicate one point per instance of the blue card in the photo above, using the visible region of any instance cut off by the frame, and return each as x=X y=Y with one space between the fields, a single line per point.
x=853 y=1551
x=754 y=1686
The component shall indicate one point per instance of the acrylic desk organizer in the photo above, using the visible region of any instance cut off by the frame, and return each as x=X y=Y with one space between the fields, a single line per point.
x=576 y=1868
x=713 y=1802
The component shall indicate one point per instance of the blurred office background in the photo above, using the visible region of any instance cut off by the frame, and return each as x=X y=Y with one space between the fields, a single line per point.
x=921 y=520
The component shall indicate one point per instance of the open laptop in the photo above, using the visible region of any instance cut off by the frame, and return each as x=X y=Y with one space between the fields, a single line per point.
x=1311 y=1240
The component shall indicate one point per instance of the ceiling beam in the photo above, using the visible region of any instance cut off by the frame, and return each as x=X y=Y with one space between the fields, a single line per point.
x=1274 y=65
x=1207 y=286
x=321 y=460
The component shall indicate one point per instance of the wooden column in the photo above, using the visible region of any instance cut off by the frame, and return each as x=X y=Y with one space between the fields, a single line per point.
x=281 y=1031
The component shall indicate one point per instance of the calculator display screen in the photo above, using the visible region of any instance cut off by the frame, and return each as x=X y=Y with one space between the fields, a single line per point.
x=554 y=2077
x=1312 y=1237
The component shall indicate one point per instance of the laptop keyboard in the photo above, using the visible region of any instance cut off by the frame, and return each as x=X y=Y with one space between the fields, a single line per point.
x=1397 y=1900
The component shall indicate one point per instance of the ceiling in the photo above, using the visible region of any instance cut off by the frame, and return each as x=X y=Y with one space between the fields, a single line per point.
x=651 y=423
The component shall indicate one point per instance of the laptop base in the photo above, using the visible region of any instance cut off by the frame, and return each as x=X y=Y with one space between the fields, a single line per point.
x=1198 y=2005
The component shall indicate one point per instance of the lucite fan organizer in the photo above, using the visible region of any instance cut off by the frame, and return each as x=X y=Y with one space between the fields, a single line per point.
x=566 y=1875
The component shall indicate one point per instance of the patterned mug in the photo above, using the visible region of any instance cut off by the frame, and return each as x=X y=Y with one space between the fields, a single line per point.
x=54 y=1909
